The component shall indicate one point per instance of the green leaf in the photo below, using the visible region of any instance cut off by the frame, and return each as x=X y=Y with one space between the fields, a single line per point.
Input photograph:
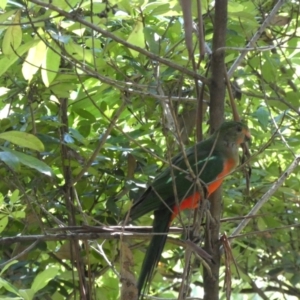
x=79 y=52
x=12 y=298
x=293 y=97
x=7 y=61
x=7 y=266
x=13 y=36
x=261 y=224
x=78 y=136
x=150 y=38
x=42 y=279
x=9 y=287
x=110 y=282
x=156 y=8
x=295 y=279
x=23 y=139
x=34 y=59
x=3 y=223
x=111 y=206
x=3 y=4
x=14 y=197
x=27 y=294
x=30 y=162
x=97 y=7
x=137 y=37
x=18 y=214
x=10 y=160
x=50 y=64
x=262 y=115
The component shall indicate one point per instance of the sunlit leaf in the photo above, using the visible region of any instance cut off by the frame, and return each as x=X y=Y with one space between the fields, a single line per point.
x=27 y=294
x=42 y=279
x=9 y=287
x=34 y=59
x=3 y=4
x=137 y=37
x=5 y=16
x=7 y=61
x=13 y=36
x=50 y=64
x=23 y=139
x=14 y=197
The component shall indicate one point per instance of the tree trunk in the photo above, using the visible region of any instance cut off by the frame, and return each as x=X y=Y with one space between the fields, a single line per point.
x=217 y=95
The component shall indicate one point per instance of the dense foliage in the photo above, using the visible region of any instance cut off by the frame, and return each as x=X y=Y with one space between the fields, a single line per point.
x=91 y=95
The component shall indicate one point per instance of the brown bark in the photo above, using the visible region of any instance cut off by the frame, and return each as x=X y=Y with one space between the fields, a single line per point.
x=217 y=95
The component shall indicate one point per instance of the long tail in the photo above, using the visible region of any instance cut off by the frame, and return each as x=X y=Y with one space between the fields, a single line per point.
x=161 y=224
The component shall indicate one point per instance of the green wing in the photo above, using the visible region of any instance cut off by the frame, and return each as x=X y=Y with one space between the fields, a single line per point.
x=208 y=164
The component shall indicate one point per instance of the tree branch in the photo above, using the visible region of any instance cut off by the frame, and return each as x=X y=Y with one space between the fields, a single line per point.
x=217 y=95
x=266 y=196
x=256 y=36
x=75 y=17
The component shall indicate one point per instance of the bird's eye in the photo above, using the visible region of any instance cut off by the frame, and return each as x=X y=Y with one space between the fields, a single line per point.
x=239 y=128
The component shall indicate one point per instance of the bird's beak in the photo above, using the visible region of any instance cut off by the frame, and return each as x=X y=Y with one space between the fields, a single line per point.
x=247 y=135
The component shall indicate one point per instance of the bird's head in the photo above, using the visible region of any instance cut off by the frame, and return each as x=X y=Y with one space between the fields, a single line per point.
x=234 y=131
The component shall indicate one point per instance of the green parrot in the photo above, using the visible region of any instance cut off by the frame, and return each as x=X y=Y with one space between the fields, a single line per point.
x=211 y=160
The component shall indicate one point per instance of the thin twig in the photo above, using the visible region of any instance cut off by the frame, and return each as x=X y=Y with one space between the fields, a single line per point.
x=184 y=276
x=266 y=196
x=101 y=143
x=256 y=36
x=263 y=232
x=75 y=17
x=25 y=251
